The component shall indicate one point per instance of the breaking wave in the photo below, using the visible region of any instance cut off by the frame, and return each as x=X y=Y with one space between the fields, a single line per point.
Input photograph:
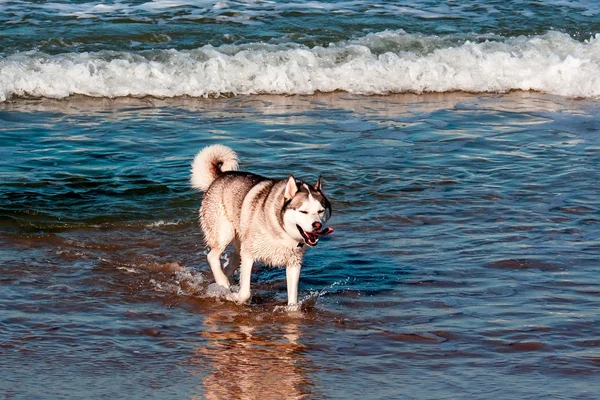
x=379 y=63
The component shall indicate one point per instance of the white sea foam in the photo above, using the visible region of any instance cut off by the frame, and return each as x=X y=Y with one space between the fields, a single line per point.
x=161 y=223
x=382 y=63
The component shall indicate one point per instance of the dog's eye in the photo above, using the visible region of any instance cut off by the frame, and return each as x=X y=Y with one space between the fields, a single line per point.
x=321 y=211
x=304 y=212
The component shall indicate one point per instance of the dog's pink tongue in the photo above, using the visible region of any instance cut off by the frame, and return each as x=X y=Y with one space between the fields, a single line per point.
x=325 y=231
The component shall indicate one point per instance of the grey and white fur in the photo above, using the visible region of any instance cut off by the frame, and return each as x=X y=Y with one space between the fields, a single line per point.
x=267 y=220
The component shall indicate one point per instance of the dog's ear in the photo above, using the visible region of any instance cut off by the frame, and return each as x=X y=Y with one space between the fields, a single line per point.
x=318 y=185
x=291 y=188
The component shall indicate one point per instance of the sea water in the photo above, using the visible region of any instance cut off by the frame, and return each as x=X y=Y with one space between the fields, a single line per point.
x=459 y=144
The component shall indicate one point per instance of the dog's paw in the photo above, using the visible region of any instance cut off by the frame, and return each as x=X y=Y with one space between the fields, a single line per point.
x=234 y=297
x=238 y=297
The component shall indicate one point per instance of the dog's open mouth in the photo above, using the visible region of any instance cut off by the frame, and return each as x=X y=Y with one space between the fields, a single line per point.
x=312 y=238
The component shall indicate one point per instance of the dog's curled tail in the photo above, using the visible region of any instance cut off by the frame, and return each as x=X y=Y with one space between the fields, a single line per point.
x=210 y=163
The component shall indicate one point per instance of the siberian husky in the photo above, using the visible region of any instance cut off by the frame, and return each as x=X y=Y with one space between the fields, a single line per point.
x=268 y=220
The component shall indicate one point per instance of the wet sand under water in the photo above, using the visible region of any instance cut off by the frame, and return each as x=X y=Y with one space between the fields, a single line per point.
x=464 y=264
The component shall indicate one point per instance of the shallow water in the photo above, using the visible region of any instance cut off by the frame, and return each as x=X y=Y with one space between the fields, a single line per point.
x=466 y=252
x=464 y=262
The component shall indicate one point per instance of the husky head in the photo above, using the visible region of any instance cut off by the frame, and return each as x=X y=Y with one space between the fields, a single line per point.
x=305 y=211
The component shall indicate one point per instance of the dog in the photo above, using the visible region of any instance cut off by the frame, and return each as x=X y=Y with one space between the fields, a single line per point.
x=267 y=220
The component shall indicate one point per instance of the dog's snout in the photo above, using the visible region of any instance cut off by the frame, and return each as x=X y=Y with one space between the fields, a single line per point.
x=317 y=225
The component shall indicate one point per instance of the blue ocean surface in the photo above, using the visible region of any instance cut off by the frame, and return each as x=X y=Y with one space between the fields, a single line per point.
x=459 y=143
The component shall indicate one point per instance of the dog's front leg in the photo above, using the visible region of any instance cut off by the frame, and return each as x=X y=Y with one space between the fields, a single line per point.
x=245 y=274
x=292 y=274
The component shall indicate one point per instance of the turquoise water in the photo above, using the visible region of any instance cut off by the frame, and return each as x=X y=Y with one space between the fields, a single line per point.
x=459 y=144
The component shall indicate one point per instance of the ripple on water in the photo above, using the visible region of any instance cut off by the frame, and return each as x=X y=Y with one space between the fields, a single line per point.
x=526 y=264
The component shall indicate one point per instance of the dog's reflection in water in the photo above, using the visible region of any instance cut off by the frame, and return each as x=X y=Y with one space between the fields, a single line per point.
x=259 y=361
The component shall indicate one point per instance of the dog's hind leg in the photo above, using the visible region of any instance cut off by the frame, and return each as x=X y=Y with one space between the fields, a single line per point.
x=224 y=237
x=245 y=275
x=214 y=260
